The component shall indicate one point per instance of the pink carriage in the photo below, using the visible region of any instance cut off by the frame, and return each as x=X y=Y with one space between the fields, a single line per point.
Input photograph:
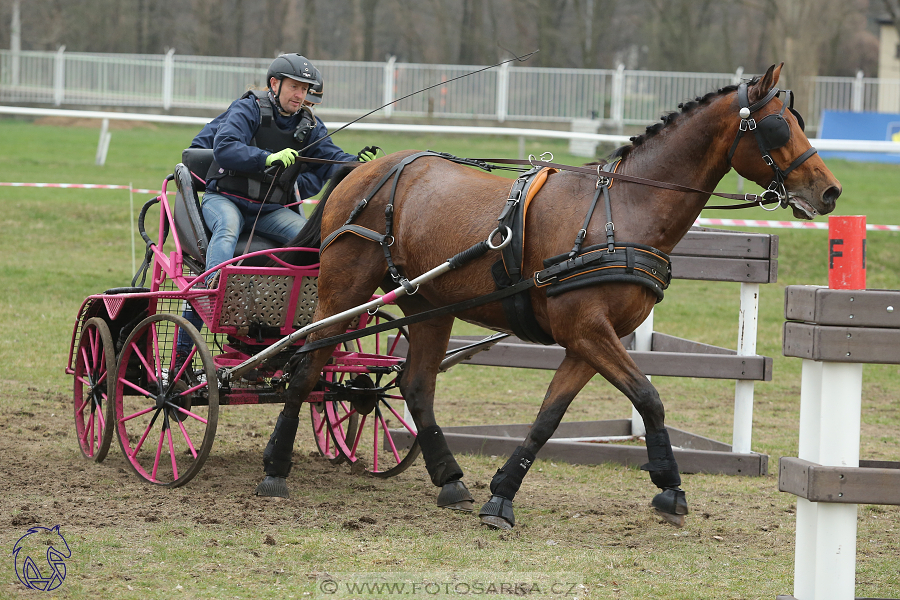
x=127 y=380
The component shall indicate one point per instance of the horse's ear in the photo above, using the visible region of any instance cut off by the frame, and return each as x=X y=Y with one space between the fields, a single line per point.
x=765 y=83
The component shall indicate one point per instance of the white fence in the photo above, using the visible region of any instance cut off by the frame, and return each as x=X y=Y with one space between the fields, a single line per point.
x=614 y=97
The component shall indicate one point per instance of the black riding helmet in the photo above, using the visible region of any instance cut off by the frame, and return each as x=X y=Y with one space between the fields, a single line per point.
x=316 y=91
x=294 y=66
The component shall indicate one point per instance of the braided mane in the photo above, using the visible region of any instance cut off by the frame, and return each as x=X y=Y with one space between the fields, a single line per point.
x=671 y=117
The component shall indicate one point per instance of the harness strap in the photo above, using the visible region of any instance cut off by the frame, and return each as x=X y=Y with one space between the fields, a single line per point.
x=355 y=229
x=422 y=316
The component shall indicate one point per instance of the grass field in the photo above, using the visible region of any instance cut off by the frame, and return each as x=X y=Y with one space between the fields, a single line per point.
x=209 y=539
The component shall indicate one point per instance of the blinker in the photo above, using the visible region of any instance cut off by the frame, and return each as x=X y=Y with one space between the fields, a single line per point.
x=774 y=131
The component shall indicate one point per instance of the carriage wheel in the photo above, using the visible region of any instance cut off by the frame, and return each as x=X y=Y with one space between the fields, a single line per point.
x=165 y=418
x=384 y=443
x=322 y=434
x=95 y=386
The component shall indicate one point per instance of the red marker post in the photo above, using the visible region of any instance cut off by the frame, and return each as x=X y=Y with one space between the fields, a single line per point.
x=847 y=252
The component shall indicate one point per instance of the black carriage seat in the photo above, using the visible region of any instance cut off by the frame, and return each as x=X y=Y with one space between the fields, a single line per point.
x=189 y=226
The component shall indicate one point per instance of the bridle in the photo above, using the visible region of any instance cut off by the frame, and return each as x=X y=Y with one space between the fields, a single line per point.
x=771 y=132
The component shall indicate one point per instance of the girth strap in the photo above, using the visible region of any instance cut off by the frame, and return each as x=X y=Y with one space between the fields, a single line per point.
x=508 y=271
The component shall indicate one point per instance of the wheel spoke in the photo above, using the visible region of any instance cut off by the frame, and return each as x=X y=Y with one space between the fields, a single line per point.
x=137 y=388
x=187 y=438
x=147 y=366
x=137 y=414
x=94 y=341
x=397 y=415
x=157 y=358
x=183 y=368
x=362 y=426
x=187 y=412
x=172 y=453
x=389 y=437
x=159 y=447
x=146 y=433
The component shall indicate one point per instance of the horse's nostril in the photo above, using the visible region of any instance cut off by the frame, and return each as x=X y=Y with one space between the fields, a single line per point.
x=831 y=195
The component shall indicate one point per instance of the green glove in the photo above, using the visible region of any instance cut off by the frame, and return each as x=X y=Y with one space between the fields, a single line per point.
x=368 y=153
x=286 y=157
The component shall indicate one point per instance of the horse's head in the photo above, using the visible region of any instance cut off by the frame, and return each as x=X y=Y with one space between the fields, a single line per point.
x=771 y=149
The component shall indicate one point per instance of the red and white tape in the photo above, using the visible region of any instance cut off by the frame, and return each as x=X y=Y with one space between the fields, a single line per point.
x=732 y=222
x=98 y=186
x=785 y=224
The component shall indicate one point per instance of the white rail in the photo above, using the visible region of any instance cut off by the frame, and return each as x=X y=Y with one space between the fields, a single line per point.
x=821 y=144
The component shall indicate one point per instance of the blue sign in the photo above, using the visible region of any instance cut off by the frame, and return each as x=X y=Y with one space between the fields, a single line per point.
x=40 y=558
x=841 y=125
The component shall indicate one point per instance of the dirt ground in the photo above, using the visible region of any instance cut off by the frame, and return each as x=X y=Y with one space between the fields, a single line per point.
x=600 y=512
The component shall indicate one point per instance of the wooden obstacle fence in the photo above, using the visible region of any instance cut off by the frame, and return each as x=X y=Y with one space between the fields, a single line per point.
x=703 y=254
x=835 y=332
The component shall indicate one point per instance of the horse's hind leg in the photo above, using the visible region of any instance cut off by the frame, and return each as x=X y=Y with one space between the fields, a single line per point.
x=337 y=292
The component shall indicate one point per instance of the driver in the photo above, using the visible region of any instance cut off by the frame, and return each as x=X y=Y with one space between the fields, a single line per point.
x=255 y=170
x=261 y=130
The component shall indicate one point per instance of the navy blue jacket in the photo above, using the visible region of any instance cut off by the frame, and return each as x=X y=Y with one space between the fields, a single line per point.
x=229 y=136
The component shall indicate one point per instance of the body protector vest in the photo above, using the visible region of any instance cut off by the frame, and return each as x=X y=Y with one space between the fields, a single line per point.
x=269 y=136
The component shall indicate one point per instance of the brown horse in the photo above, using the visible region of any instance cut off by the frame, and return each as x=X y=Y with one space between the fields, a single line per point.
x=441 y=208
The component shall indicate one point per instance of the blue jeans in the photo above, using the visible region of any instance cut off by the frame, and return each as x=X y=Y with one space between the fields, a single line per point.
x=226 y=220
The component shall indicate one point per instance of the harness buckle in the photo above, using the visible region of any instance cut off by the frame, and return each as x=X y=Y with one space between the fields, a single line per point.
x=602 y=181
x=768 y=160
x=537 y=278
x=748 y=124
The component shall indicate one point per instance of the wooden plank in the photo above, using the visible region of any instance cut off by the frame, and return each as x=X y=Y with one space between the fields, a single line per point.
x=584 y=453
x=845 y=308
x=844 y=485
x=706 y=268
x=700 y=241
x=841 y=344
x=573 y=429
x=669 y=343
x=668 y=364
x=587 y=429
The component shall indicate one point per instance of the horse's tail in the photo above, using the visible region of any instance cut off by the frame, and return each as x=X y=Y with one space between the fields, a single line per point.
x=311 y=234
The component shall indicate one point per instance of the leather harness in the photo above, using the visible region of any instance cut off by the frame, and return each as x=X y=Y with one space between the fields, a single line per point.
x=622 y=262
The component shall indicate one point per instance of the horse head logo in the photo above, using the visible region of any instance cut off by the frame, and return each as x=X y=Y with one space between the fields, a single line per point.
x=35 y=574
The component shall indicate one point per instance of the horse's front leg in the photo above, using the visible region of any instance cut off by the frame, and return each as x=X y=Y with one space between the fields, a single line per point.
x=571 y=376
x=428 y=342
x=620 y=370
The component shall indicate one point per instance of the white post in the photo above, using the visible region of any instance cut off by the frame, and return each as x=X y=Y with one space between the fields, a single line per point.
x=502 y=92
x=807 y=512
x=856 y=102
x=59 y=76
x=15 y=41
x=617 y=102
x=131 y=213
x=838 y=446
x=737 y=76
x=643 y=342
x=103 y=143
x=389 y=70
x=743 y=389
x=168 y=78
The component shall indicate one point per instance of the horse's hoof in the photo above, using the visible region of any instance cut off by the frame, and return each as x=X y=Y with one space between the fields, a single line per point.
x=497 y=513
x=455 y=496
x=676 y=520
x=495 y=522
x=275 y=487
x=671 y=505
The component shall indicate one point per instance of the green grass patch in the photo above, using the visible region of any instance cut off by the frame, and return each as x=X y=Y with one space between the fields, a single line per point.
x=212 y=538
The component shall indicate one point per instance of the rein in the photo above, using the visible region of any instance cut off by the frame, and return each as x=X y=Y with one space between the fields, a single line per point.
x=751 y=199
